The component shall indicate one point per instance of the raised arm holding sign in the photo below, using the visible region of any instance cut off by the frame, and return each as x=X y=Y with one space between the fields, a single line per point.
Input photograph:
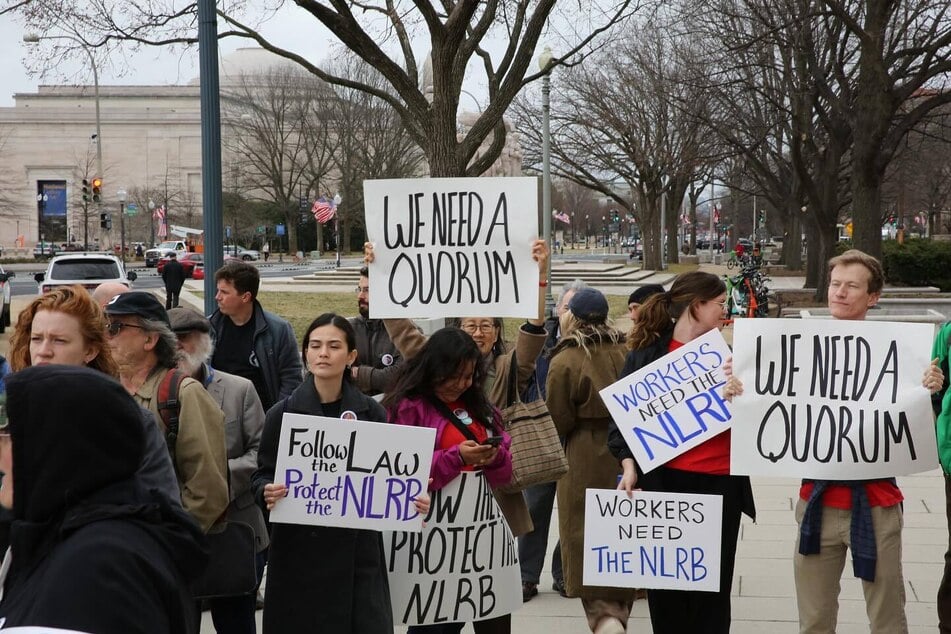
x=667 y=322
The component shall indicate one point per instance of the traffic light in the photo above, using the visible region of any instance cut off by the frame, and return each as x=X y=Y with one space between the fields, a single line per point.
x=105 y=220
x=96 y=189
x=761 y=218
x=86 y=192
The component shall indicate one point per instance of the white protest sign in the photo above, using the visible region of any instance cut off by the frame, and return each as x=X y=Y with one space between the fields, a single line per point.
x=462 y=567
x=674 y=403
x=668 y=541
x=351 y=473
x=832 y=399
x=446 y=247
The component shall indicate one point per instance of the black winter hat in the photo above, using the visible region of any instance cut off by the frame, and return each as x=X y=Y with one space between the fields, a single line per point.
x=589 y=305
x=138 y=303
x=642 y=293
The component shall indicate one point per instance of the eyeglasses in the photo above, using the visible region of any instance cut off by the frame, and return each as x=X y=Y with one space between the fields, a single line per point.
x=472 y=328
x=113 y=328
x=361 y=289
x=722 y=304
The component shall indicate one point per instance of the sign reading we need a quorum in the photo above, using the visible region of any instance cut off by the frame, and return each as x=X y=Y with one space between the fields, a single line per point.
x=351 y=473
x=832 y=399
x=445 y=247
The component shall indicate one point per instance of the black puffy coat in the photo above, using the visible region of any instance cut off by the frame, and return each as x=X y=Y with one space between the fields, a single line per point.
x=321 y=578
x=91 y=550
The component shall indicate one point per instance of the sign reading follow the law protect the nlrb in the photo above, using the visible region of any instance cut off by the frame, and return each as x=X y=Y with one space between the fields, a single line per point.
x=351 y=473
x=445 y=247
x=674 y=403
x=832 y=399
x=661 y=540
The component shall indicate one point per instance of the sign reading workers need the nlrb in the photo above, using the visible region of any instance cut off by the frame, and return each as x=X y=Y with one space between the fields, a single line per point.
x=674 y=403
x=661 y=540
x=351 y=473
x=446 y=247
x=832 y=399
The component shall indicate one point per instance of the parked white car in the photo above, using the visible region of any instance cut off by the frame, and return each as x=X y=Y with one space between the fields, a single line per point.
x=242 y=253
x=89 y=270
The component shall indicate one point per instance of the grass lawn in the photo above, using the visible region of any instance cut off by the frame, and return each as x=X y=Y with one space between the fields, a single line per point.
x=301 y=308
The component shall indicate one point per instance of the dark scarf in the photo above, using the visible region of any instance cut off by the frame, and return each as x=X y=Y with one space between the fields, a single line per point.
x=861 y=530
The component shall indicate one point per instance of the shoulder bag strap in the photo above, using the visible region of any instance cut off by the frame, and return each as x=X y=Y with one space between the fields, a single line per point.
x=452 y=418
x=511 y=395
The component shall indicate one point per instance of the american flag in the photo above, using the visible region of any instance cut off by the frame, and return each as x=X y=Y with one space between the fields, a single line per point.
x=324 y=210
x=561 y=216
x=159 y=214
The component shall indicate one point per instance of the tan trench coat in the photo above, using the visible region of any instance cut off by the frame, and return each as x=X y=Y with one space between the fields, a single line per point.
x=574 y=381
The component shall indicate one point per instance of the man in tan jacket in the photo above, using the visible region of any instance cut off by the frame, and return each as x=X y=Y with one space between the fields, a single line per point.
x=146 y=350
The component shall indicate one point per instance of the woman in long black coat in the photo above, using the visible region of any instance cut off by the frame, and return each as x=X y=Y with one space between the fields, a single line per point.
x=322 y=579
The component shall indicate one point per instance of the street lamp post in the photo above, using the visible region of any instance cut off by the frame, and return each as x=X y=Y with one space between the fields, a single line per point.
x=587 y=229
x=337 y=201
x=545 y=64
x=121 y=195
x=151 y=223
x=33 y=38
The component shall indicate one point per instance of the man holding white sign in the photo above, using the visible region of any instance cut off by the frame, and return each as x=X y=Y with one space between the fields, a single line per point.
x=668 y=322
x=864 y=516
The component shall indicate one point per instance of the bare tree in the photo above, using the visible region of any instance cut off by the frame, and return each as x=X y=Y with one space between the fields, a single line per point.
x=278 y=137
x=385 y=34
x=619 y=129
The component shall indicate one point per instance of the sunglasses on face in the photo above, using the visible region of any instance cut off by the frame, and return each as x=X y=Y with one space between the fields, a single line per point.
x=115 y=327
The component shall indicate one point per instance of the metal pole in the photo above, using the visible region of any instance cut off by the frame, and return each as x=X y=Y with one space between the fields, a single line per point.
x=663 y=229
x=122 y=230
x=712 y=211
x=210 y=147
x=546 y=186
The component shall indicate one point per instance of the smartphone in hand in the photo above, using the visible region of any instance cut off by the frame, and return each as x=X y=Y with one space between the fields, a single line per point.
x=493 y=441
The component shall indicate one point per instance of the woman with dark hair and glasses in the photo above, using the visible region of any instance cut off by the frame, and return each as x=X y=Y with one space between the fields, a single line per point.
x=442 y=387
x=692 y=307
x=322 y=578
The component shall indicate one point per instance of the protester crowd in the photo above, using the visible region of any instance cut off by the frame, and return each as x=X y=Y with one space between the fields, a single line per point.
x=145 y=442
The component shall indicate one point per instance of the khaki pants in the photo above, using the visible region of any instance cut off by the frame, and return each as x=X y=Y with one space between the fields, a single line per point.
x=817 y=576
x=597 y=609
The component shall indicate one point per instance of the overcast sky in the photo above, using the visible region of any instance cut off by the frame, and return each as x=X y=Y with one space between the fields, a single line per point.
x=154 y=65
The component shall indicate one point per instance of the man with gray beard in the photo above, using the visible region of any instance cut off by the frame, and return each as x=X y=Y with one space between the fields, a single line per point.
x=244 y=419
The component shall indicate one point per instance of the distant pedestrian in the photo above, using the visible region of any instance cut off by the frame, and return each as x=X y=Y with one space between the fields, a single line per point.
x=266 y=250
x=174 y=277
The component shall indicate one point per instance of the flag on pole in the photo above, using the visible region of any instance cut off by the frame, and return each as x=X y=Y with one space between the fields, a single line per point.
x=561 y=216
x=324 y=210
x=160 y=215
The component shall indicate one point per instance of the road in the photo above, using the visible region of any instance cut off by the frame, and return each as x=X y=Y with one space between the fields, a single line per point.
x=148 y=278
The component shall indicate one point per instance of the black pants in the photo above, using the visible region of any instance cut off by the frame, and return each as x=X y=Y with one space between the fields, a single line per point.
x=171 y=298
x=679 y=611
x=944 y=589
x=499 y=625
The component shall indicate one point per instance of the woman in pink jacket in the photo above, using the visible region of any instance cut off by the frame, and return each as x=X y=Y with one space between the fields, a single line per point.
x=442 y=387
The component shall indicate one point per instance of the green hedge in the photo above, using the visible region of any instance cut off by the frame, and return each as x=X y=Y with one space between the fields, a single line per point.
x=917 y=262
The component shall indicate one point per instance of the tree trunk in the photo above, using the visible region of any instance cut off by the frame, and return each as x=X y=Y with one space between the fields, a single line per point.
x=866 y=204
